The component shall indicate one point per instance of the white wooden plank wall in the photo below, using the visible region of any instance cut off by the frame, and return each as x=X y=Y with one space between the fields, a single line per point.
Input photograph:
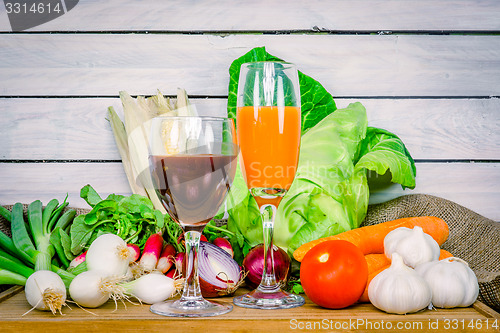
x=428 y=71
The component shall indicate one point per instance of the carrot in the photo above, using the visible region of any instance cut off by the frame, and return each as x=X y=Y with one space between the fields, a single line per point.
x=375 y=261
x=364 y=297
x=378 y=262
x=444 y=254
x=370 y=239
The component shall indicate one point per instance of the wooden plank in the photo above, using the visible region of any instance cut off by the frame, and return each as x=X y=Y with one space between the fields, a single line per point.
x=357 y=318
x=8 y=293
x=473 y=185
x=338 y=15
x=347 y=65
x=76 y=128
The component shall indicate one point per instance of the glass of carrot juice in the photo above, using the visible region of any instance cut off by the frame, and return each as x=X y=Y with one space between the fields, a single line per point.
x=268 y=124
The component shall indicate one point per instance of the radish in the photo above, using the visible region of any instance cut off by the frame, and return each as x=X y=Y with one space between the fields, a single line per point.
x=166 y=258
x=135 y=252
x=78 y=260
x=152 y=288
x=45 y=290
x=108 y=254
x=180 y=260
x=224 y=244
x=173 y=273
x=151 y=252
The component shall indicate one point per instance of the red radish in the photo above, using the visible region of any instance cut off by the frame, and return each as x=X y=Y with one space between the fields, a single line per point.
x=180 y=259
x=203 y=238
x=166 y=258
x=172 y=273
x=78 y=260
x=151 y=252
x=224 y=244
x=135 y=252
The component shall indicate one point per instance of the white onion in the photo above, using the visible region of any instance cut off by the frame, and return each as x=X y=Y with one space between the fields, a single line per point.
x=87 y=289
x=151 y=288
x=45 y=290
x=108 y=254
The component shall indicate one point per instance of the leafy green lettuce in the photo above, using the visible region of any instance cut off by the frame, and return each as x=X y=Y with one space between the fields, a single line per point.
x=330 y=192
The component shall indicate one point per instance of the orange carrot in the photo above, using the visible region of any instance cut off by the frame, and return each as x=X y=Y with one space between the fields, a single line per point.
x=370 y=239
x=444 y=254
x=375 y=261
x=364 y=297
x=378 y=262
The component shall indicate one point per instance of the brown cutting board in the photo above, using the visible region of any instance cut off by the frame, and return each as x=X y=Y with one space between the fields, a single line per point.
x=127 y=317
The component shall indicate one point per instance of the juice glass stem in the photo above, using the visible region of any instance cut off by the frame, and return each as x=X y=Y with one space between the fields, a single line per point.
x=268 y=282
x=268 y=294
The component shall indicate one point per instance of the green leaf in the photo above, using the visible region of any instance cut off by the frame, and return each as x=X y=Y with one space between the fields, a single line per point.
x=80 y=234
x=101 y=210
x=59 y=239
x=316 y=102
x=135 y=204
x=115 y=197
x=90 y=195
x=383 y=151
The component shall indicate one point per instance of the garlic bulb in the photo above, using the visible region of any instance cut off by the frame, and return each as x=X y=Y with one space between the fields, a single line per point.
x=452 y=282
x=415 y=246
x=399 y=289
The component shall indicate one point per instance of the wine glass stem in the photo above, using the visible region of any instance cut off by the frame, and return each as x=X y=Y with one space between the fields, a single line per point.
x=192 y=291
x=268 y=282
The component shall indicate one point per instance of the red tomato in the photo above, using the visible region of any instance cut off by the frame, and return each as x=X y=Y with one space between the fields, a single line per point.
x=334 y=274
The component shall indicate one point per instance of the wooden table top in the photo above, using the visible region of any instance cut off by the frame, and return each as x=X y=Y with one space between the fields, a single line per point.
x=310 y=317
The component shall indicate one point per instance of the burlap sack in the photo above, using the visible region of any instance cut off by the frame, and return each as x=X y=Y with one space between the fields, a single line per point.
x=473 y=237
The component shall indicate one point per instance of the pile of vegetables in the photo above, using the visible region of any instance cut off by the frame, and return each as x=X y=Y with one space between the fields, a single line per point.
x=122 y=249
x=397 y=265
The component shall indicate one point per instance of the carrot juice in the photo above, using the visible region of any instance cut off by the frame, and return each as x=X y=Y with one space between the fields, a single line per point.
x=269 y=139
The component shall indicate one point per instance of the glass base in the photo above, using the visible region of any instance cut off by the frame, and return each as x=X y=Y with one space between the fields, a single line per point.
x=269 y=301
x=197 y=308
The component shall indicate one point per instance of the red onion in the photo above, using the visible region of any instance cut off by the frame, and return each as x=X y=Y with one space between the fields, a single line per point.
x=219 y=273
x=254 y=265
x=224 y=244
